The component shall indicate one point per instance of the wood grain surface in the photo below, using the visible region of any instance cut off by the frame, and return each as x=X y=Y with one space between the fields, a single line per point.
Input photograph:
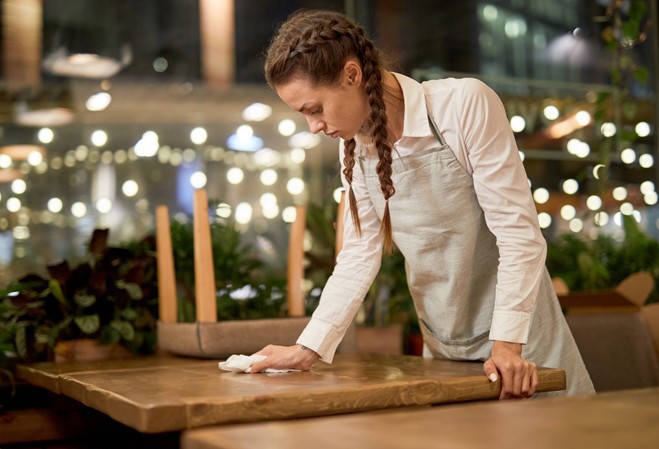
x=161 y=394
x=623 y=419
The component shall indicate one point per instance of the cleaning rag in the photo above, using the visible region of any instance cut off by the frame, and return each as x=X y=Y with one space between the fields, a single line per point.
x=240 y=363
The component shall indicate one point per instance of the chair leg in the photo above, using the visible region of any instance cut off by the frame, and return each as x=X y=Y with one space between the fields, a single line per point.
x=295 y=269
x=205 y=292
x=167 y=308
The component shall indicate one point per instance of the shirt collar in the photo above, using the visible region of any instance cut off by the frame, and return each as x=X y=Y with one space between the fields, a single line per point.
x=415 y=122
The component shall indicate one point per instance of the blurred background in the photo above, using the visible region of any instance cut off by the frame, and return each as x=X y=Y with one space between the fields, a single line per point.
x=109 y=108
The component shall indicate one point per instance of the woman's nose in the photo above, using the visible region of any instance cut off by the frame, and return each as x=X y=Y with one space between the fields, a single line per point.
x=315 y=126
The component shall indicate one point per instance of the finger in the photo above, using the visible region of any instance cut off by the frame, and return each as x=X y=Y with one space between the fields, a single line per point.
x=256 y=367
x=265 y=351
x=534 y=380
x=490 y=370
x=507 y=384
x=525 y=381
x=259 y=367
x=519 y=378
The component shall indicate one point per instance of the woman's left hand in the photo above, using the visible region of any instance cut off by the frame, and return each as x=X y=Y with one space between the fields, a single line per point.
x=519 y=377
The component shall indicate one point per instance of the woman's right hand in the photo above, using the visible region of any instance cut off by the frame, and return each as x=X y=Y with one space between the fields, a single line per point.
x=295 y=357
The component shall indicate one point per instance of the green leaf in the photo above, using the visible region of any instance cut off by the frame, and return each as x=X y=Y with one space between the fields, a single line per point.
x=53 y=335
x=625 y=62
x=637 y=11
x=110 y=335
x=88 y=323
x=185 y=310
x=129 y=314
x=628 y=135
x=629 y=110
x=20 y=341
x=605 y=152
x=631 y=228
x=642 y=75
x=85 y=300
x=124 y=328
x=630 y=30
x=133 y=289
x=56 y=290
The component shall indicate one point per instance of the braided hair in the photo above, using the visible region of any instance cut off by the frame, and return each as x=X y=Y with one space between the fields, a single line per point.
x=315 y=45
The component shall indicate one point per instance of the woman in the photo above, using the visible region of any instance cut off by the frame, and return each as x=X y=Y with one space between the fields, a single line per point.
x=434 y=169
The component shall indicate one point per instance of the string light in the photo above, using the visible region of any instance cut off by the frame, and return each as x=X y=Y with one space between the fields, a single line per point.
x=541 y=195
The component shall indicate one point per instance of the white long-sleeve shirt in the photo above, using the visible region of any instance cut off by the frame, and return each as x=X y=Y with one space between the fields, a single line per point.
x=472 y=121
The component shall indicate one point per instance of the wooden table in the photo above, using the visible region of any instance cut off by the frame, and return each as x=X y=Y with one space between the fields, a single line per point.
x=160 y=394
x=623 y=419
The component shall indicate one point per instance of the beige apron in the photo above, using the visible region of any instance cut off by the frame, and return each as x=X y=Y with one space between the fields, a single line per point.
x=451 y=264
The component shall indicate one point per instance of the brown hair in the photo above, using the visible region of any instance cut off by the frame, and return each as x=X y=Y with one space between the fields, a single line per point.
x=315 y=45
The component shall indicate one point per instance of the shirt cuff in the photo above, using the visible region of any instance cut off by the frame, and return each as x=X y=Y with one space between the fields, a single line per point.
x=510 y=326
x=321 y=337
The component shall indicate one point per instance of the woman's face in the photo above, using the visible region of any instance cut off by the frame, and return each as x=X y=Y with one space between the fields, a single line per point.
x=338 y=110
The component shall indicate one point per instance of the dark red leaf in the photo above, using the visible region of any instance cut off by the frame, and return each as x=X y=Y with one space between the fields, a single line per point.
x=98 y=242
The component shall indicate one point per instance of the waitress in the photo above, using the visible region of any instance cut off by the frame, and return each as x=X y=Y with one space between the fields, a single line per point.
x=432 y=168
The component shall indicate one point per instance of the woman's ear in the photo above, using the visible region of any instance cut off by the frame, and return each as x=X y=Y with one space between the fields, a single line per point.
x=352 y=72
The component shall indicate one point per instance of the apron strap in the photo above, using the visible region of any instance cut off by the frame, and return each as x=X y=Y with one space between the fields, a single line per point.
x=360 y=159
x=435 y=130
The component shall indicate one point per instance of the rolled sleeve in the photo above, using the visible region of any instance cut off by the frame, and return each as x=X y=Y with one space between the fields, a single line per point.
x=322 y=337
x=510 y=326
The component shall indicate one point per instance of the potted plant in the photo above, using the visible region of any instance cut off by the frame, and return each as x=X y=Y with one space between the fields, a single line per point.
x=109 y=298
x=602 y=263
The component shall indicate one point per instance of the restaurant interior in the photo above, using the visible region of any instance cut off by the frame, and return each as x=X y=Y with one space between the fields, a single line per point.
x=123 y=122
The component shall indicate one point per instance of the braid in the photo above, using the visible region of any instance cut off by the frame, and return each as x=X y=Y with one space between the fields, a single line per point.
x=315 y=45
x=379 y=132
x=349 y=163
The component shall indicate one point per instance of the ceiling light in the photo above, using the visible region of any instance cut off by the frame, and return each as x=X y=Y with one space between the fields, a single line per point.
x=21 y=152
x=304 y=139
x=45 y=135
x=99 y=138
x=198 y=136
x=98 y=102
x=286 y=127
x=257 y=112
x=56 y=116
x=268 y=177
x=86 y=65
x=551 y=112
x=9 y=175
x=244 y=140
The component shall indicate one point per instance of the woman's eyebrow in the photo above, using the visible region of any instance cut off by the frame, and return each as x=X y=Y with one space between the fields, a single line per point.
x=304 y=106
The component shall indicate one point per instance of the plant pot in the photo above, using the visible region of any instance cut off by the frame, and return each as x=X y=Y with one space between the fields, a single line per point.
x=413 y=344
x=222 y=339
x=87 y=350
x=380 y=340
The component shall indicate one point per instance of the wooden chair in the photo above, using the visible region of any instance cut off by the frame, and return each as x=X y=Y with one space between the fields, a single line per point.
x=207 y=337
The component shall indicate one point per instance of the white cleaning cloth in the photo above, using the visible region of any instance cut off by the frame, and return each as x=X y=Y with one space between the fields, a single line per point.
x=240 y=363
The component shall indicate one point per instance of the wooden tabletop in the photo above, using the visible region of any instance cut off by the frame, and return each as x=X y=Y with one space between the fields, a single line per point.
x=158 y=394
x=623 y=419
